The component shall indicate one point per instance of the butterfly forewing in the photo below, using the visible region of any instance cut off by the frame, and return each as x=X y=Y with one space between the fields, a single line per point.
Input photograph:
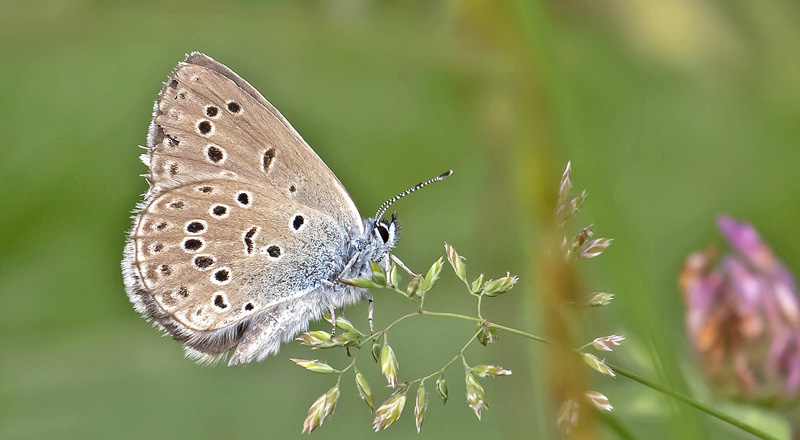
x=208 y=120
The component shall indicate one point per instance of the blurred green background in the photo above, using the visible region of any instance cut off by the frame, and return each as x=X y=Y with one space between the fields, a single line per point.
x=671 y=112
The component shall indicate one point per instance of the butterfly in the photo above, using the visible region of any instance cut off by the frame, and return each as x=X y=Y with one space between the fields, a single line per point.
x=245 y=234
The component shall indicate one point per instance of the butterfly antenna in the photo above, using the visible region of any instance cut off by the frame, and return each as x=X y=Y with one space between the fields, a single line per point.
x=416 y=187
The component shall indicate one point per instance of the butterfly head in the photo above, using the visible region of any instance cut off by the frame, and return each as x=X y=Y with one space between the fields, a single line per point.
x=386 y=231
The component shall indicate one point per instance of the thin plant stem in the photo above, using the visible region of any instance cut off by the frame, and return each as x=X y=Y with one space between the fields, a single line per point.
x=491 y=324
x=385 y=330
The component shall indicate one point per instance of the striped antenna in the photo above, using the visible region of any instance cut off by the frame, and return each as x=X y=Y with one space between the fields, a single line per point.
x=388 y=203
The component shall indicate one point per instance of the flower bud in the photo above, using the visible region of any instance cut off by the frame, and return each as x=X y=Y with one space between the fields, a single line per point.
x=597 y=299
x=413 y=289
x=565 y=208
x=315 y=366
x=568 y=414
x=486 y=334
x=378 y=275
x=595 y=247
x=342 y=323
x=317 y=339
x=364 y=391
x=360 y=282
x=566 y=183
x=441 y=388
x=389 y=411
x=431 y=277
x=477 y=285
x=499 y=286
x=585 y=234
x=420 y=405
x=606 y=342
x=476 y=398
x=456 y=261
x=389 y=365
x=490 y=370
x=346 y=339
x=600 y=401
x=394 y=275
x=594 y=362
x=321 y=408
x=376 y=350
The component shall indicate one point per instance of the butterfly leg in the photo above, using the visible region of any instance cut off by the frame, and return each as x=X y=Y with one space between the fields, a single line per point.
x=348 y=265
x=401 y=264
x=332 y=285
x=369 y=314
x=333 y=321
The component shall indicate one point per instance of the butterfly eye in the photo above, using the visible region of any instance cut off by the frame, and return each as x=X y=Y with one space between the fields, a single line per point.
x=384 y=233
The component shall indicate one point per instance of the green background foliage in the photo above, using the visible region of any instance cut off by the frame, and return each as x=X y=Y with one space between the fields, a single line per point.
x=671 y=112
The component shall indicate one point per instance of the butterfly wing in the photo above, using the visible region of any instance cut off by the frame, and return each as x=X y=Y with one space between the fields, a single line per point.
x=206 y=112
x=242 y=218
